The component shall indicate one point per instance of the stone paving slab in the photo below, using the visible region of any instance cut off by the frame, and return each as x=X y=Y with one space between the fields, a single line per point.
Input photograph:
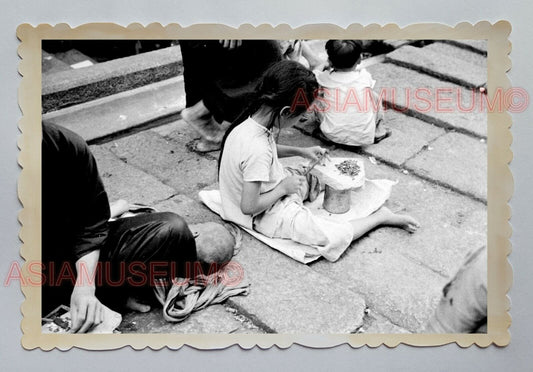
x=409 y=136
x=113 y=115
x=191 y=210
x=455 y=160
x=124 y=181
x=212 y=319
x=177 y=130
x=454 y=108
x=170 y=162
x=451 y=224
x=438 y=64
x=288 y=297
x=457 y=52
x=378 y=324
x=393 y=285
x=478 y=46
x=401 y=275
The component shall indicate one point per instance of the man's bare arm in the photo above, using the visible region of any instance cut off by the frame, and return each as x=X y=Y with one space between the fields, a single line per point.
x=85 y=309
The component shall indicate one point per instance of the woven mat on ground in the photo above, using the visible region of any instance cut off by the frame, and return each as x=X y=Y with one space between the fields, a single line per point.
x=365 y=201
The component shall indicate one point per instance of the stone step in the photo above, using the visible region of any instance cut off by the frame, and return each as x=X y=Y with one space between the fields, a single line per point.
x=124 y=181
x=169 y=161
x=389 y=265
x=459 y=53
x=50 y=64
x=74 y=57
x=438 y=102
x=212 y=319
x=377 y=324
x=457 y=161
x=438 y=64
x=406 y=293
x=99 y=120
x=177 y=130
x=478 y=46
x=452 y=223
x=71 y=87
x=289 y=297
x=409 y=136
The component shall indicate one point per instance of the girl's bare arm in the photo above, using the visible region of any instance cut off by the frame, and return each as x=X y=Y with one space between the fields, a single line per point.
x=285 y=151
x=312 y=153
x=253 y=202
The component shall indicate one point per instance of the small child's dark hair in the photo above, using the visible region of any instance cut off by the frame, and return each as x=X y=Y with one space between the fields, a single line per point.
x=344 y=53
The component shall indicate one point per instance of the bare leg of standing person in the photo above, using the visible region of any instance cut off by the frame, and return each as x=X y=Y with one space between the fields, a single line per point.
x=201 y=120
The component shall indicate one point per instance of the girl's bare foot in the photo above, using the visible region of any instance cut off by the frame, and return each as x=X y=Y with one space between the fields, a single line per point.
x=133 y=304
x=399 y=220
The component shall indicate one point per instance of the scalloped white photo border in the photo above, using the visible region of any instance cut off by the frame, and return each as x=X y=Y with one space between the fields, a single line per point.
x=500 y=181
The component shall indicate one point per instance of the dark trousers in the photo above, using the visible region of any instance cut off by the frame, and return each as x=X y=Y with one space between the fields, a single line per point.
x=225 y=79
x=138 y=250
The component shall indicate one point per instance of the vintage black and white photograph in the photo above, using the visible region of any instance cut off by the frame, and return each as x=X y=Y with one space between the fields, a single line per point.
x=258 y=186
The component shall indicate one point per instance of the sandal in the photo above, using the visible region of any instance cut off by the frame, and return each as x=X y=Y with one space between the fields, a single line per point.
x=202 y=146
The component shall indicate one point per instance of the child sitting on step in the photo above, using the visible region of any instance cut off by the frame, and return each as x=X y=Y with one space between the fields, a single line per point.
x=351 y=110
x=258 y=193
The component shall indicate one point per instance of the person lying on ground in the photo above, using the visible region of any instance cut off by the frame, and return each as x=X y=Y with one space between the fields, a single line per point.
x=350 y=111
x=90 y=262
x=258 y=193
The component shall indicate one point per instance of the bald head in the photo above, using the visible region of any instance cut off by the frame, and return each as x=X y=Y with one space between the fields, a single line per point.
x=214 y=243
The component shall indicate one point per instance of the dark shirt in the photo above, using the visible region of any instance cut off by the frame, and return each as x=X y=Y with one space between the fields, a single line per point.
x=75 y=208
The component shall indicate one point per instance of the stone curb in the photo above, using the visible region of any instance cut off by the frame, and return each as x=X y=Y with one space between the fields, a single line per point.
x=66 y=88
x=106 y=118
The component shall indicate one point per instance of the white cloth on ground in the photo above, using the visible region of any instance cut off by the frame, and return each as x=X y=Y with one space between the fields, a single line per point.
x=365 y=201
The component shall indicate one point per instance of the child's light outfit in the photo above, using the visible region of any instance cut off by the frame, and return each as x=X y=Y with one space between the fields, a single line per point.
x=250 y=155
x=351 y=111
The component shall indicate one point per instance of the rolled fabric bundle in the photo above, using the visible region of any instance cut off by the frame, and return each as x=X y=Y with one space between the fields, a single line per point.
x=189 y=295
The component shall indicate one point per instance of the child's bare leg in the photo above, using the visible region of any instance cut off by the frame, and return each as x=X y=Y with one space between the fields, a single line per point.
x=201 y=120
x=383 y=216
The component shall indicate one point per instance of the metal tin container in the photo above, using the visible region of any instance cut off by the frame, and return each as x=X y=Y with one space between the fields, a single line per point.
x=337 y=201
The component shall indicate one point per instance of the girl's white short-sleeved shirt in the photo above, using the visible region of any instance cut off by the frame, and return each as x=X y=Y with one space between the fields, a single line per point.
x=250 y=155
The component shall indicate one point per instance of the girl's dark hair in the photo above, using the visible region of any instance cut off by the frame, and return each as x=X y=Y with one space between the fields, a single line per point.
x=284 y=83
x=343 y=53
